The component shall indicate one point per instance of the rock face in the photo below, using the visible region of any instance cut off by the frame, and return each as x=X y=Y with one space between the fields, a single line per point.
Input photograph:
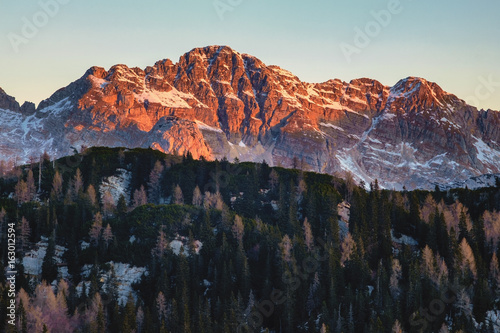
x=216 y=102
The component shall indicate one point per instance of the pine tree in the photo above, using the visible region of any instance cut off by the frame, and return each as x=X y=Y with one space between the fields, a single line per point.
x=129 y=319
x=49 y=268
x=121 y=207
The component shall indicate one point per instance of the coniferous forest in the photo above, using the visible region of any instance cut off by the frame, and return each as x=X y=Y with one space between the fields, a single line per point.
x=133 y=240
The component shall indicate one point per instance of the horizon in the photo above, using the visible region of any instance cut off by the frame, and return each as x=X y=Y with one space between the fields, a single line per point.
x=51 y=43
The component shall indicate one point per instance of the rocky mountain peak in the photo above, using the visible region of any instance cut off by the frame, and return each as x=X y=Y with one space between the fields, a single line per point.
x=216 y=102
x=8 y=102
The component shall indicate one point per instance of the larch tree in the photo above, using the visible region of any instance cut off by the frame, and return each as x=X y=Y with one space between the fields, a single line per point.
x=95 y=229
x=197 y=197
x=308 y=236
x=30 y=186
x=238 y=229
x=161 y=245
x=468 y=260
x=428 y=265
x=396 y=328
x=428 y=208
x=177 y=196
x=140 y=197
x=347 y=248
x=161 y=306
x=21 y=192
x=444 y=329
x=91 y=195
x=107 y=235
x=57 y=186
x=396 y=275
x=492 y=227
x=139 y=318
x=286 y=247
x=108 y=204
x=77 y=183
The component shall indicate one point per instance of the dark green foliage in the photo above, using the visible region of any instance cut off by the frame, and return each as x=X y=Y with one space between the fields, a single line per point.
x=49 y=268
x=270 y=271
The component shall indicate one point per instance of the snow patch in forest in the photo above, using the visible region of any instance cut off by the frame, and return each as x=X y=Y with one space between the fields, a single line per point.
x=181 y=242
x=125 y=276
x=404 y=239
x=493 y=317
x=33 y=259
x=84 y=245
x=117 y=184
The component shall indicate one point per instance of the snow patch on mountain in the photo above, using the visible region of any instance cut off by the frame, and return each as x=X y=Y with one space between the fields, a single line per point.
x=170 y=99
x=332 y=126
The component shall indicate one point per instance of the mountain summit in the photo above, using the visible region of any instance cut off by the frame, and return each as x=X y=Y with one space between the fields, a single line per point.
x=216 y=102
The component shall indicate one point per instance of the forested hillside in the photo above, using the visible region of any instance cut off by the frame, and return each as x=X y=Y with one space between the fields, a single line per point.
x=133 y=240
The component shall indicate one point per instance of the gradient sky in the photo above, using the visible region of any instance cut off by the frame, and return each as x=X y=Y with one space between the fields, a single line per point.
x=453 y=43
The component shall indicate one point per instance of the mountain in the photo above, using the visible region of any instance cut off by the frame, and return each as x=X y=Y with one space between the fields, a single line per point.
x=216 y=102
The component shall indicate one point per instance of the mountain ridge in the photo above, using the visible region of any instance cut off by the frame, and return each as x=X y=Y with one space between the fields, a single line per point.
x=216 y=102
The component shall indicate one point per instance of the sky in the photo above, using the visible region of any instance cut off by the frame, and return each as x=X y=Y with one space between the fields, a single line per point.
x=46 y=44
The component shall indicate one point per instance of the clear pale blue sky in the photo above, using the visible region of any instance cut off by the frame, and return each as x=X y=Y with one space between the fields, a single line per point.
x=454 y=43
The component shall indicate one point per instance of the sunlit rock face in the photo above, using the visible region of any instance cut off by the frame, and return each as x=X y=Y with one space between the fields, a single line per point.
x=216 y=102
